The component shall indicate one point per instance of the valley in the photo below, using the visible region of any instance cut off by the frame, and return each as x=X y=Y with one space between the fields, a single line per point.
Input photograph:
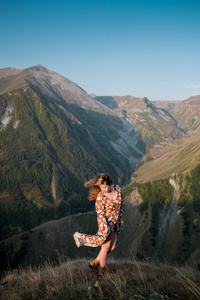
x=54 y=137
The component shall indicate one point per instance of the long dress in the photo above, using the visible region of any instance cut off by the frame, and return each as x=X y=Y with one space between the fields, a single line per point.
x=109 y=213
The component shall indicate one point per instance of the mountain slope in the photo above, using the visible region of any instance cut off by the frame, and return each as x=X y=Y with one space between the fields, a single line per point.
x=47 y=239
x=160 y=215
x=187 y=114
x=5 y=72
x=165 y=159
x=54 y=136
x=163 y=220
x=155 y=123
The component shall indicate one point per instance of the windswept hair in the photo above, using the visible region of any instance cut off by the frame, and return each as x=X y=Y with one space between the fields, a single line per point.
x=95 y=183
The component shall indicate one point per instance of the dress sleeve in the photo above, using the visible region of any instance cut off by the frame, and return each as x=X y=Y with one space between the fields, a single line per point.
x=119 y=206
x=101 y=213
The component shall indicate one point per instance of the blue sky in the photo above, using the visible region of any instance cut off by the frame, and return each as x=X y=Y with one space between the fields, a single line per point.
x=141 y=48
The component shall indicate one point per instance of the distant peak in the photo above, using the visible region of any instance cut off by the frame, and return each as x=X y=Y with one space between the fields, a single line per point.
x=38 y=67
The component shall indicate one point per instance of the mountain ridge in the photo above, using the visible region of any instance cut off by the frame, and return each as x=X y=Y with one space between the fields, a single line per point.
x=54 y=137
x=155 y=124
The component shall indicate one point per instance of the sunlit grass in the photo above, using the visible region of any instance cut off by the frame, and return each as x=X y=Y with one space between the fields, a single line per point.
x=127 y=279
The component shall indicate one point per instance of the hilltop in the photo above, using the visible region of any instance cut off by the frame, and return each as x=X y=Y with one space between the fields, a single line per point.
x=128 y=279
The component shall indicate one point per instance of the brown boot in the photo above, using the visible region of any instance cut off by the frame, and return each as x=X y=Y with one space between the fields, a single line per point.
x=94 y=265
x=103 y=271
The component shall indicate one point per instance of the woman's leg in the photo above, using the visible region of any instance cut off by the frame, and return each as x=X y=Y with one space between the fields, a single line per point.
x=105 y=247
x=113 y=242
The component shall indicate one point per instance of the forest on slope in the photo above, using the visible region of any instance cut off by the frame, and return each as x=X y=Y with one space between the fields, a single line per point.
x=51 y=144
x=165 y=214
x=160 y=215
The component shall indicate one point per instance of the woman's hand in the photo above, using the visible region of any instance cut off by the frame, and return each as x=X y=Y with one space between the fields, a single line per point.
x=121 y=222
x=105 y=231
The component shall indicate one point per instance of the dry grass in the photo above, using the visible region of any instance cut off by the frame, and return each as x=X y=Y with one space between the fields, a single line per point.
x=179 y=159
x=128 y=279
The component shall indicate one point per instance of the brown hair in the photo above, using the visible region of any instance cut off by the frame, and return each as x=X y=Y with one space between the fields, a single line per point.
x=95 y=183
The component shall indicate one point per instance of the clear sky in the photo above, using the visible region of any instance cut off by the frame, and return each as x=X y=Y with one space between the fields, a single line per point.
x=142 y=48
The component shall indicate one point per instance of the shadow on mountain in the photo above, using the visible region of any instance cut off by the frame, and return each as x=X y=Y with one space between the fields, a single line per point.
x=75 y=144
x=108 y=101
x=104 y=128
x=107 y=130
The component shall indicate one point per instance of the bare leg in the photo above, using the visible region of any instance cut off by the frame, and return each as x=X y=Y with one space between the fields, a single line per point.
x=107 y=247
x=102 y=257
x=113 y=242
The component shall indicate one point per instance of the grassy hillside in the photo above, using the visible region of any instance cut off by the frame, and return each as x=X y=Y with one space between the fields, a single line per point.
x=164 y=160
x=158 y=217
x=128 y=279
x=46 y=240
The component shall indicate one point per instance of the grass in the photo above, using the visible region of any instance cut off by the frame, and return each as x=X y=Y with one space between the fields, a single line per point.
x=128 y=279
x=180 y=159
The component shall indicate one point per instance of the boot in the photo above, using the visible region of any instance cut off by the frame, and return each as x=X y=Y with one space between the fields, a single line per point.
x=94 y=265
x=103 y=271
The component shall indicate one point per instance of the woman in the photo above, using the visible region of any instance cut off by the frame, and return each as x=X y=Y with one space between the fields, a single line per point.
x=110 y=209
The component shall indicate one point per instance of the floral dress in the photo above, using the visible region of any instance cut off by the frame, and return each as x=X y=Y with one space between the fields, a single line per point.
x=109 y=213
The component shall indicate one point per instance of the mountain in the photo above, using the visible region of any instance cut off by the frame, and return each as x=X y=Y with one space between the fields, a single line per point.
x=5 y=72
x=53 y=137
x=178 y=156
x=166 y=216
x=174 y=156
x=187 y=114
x=63 y=92
x=160 y=215
x=170 y=130
x=47 y=240
x=166 y=105
x=163 y=197
x=154 y=121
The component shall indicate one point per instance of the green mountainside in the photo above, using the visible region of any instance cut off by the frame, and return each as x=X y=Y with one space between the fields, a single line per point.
x=167 y=216
x=160 y=215
x=53 y=138
x=168 y=158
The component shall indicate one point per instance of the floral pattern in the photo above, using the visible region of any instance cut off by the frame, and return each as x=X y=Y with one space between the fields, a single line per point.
x=109 y=213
